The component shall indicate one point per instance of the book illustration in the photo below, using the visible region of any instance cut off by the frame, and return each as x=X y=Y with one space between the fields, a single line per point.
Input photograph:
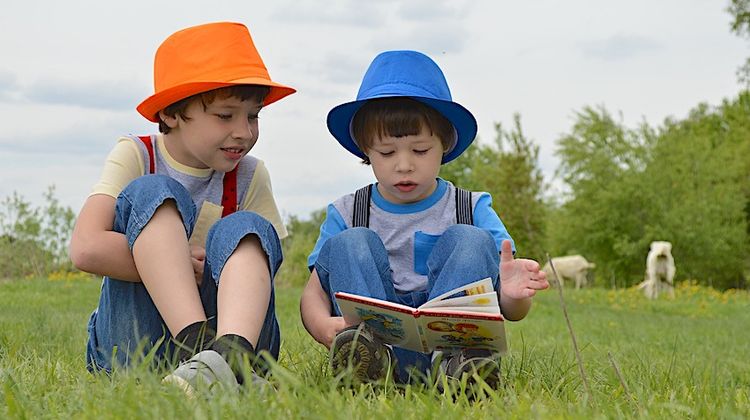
x=461 y=334
x=384 y=326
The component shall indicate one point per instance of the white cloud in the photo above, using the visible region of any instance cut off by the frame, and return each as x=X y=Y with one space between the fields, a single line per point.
x=8 y=86
x=429 y=10
x=620 y=47
x=115 y=95
x=334 y=12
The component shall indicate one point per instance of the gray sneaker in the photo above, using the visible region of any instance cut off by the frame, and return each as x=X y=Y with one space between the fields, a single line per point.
x=355 y=348
x=202 y=372
x=482 y=362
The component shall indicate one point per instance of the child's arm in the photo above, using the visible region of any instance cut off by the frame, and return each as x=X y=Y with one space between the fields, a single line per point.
x=315 y=308
x=519 y=281
x=95 y=248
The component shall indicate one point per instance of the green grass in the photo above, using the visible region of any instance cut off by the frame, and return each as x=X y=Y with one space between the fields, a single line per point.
x=687 y=358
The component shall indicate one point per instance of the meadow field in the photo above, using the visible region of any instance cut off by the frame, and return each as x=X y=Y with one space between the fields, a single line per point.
x=686 y=357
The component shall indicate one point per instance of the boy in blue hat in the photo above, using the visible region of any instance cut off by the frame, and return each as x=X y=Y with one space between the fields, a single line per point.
x=411 y=236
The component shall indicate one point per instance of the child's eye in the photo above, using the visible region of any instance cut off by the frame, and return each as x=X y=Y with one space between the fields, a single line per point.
x=224 y=116
x=421 y=152
x=385 y=154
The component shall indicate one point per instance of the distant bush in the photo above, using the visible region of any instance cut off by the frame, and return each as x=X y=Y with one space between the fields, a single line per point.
x=34 y=240
x=296 y=248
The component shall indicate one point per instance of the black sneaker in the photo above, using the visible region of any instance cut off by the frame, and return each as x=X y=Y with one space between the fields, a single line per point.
x=471 y=364
x=357 y=350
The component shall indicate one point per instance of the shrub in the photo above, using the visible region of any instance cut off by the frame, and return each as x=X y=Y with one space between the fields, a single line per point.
x=296 y=248
x=34 y=239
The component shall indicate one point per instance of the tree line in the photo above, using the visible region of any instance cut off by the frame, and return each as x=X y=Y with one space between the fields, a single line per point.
x=686 y=181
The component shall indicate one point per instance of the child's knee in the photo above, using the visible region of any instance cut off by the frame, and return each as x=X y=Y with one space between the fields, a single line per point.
x=240 y=224
x=466 y=233
x=141 y=199
x=467 y=237
x=242 y=228
x=147 y=186
x=358 y=243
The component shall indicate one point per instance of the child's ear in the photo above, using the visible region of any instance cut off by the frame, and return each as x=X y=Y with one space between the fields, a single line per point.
x=170 y=121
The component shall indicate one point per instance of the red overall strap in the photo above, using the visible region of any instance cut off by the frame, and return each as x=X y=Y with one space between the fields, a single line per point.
x=150 y=148
x=229 y=196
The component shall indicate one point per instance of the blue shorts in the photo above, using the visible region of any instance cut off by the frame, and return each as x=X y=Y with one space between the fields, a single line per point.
x=126 y=326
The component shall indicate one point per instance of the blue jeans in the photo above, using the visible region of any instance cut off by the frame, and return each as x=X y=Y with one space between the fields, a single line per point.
x=126 y=326
x=356 y=261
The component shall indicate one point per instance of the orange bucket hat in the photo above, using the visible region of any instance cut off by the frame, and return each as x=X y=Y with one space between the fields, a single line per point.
x=206 y=57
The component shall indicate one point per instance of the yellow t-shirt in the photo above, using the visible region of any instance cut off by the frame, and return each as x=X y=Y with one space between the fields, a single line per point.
x=126 y=163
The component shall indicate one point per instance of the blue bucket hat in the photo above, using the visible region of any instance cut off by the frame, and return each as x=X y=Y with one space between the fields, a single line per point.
x=409 y=74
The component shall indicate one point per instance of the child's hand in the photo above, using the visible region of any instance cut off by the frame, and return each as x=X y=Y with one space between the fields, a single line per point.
x=198 y=258
x=328 y=328
x=519 y=278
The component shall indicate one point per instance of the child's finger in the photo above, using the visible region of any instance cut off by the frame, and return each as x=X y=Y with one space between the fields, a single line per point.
x=197 y=265
x=198 y=252
x=506 y=252
x=532 y=265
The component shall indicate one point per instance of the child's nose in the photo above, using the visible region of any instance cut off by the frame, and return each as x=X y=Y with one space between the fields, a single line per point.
x=245 y=129
x=404 y=163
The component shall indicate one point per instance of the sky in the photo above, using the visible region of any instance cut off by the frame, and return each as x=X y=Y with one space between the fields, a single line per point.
x=72 y=73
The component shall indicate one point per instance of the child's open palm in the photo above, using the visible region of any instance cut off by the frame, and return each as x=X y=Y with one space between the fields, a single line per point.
x=519 y=278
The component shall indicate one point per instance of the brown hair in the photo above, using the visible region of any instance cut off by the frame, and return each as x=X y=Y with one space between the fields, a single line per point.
x=241 y=92
x=399 y=117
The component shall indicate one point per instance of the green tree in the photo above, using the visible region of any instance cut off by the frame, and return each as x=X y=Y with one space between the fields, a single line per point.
x=740 y=11
x=687 y=183
x=34 y=240
x=297 y=246
x=698 y=180
x=602 y=216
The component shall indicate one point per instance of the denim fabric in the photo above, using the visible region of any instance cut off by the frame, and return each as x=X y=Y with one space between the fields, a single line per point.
x=126 y=325
x=356 y=261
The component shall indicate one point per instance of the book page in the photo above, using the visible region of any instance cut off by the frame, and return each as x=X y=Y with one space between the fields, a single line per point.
x=452 y=331
x=476 y=288
x=474 y=310
x=393 y=323
x=485 y=302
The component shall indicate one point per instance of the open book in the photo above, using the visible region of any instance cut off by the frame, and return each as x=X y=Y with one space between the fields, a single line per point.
x=472 y=319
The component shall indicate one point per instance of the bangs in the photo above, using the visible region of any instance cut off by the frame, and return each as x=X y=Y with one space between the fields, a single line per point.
x=393 y=123
x=399 y=117
x=241 y=92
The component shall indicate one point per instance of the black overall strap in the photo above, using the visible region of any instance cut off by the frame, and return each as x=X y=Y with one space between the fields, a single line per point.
x=464 y=212
x=361 y=213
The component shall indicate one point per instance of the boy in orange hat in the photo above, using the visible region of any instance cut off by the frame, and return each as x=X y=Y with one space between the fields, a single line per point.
x=183 y=224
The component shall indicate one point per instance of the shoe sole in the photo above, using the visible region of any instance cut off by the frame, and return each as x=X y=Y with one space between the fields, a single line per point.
x=204 y=370
x=357 y=356
x=181 y=383
x=361 y=355
x=487 y=370
x=475 y=368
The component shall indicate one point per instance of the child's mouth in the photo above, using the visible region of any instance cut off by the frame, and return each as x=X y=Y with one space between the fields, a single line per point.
x=406 y=186
x=232 y=153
